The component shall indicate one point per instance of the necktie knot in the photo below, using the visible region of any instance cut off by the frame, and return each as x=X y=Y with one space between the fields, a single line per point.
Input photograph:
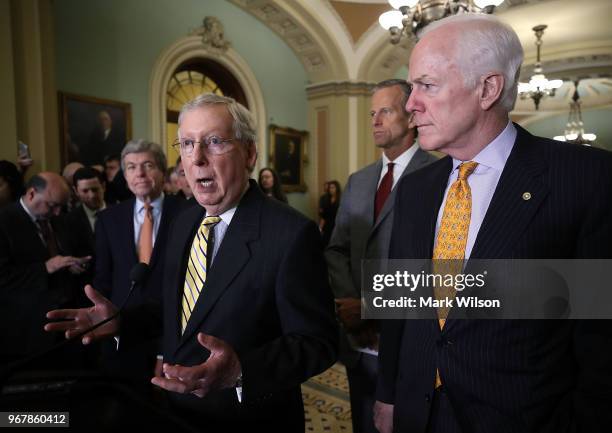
x=211 y=220
x=390 y=167
x=466 y=169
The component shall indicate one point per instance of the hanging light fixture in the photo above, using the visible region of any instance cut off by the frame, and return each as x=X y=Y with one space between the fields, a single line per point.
x=410 y=16
x=574 y=128
x=538 y=86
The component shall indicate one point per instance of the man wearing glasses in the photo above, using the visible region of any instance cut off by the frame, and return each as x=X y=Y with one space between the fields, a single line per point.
x=35 y=275
x=248 y=311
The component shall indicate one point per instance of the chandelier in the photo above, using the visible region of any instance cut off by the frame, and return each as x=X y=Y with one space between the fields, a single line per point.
x=574 y=128
x=410 y=16
x=538 y=86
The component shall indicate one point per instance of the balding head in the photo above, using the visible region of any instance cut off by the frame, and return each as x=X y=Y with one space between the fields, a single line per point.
x=45 y=195
x=69 y=170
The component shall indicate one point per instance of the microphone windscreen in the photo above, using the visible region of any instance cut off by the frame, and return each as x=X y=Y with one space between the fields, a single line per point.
x=139 y=272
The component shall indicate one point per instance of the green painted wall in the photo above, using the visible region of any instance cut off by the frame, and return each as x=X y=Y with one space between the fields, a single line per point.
x=107 y=48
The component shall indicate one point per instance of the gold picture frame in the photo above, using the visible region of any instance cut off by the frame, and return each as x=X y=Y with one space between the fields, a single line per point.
x=288 y=156
x=92 y=128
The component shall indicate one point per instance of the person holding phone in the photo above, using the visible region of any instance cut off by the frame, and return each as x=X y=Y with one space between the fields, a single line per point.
x=35 y=272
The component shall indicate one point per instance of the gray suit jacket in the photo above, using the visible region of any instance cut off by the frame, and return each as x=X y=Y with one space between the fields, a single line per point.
x=356 y=235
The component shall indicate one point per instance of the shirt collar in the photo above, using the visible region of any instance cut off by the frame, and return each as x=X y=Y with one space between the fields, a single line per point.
x=90 y=212
x=496 y=153
x=25 y=208
x=155 y=204
x=403 y=160
x=227 y=216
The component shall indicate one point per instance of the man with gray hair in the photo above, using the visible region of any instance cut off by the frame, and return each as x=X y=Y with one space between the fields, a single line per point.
x=500 y=193
x=130 y=232
x=248 y=311
x=363 y=231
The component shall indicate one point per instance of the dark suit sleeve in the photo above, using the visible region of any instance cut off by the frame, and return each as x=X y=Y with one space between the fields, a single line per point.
x=593 y=338
x=306 y=310
x=391 y=331
x=338 y=252
x=16 y=276
x=104 y=261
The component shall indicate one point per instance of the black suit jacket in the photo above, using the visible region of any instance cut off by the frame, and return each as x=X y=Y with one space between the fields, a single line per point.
x=268 y=296
x=508 y=375
x=27 y=291
x=80 y=242
x=115 y=257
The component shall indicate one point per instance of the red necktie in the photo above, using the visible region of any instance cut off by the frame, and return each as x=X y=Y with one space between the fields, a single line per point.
x=384 y=189
x=49 y=236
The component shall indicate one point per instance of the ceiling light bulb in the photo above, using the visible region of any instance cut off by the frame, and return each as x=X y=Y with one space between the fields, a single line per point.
x=390 y=19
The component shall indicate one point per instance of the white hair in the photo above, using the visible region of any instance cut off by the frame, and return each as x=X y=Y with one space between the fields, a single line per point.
x=243 y=127
x=486 y=45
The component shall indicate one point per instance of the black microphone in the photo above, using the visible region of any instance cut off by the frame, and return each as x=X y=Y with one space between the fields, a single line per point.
x=138 y=275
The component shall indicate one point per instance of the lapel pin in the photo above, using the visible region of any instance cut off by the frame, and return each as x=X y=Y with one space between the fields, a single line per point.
x=526 y=196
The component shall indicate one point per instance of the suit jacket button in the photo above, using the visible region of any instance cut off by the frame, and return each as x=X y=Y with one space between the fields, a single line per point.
x=427 y=398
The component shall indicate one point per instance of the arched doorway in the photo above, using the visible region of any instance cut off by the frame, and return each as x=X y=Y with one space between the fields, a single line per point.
x=192 y=78
x=180 y=57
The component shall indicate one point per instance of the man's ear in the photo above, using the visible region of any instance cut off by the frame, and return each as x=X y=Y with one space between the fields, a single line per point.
x=492 y=87
x=251 y=156
x=30 y=193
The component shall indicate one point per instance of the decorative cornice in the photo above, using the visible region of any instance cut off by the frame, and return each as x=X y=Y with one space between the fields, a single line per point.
x=339 y=88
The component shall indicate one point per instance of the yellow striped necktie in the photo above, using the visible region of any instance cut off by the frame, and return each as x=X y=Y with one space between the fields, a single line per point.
x=451 y=241
x=197 y=267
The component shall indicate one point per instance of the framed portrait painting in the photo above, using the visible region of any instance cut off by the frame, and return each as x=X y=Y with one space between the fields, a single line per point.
x=92 y=128
x=288 y=155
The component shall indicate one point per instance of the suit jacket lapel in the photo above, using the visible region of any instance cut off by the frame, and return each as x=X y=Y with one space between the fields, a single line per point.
x=510 y=210
x=233 y=255
x=518 y=196
x=166 y=216
x=418 y=160
x=182 y=238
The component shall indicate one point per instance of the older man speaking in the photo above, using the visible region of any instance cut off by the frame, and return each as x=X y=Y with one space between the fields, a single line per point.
x=248 y=311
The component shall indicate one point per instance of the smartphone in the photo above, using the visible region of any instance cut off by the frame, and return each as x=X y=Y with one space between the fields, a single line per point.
x=23 y=150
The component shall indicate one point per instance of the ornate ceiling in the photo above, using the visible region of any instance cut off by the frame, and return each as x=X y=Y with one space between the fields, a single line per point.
x=340 y=40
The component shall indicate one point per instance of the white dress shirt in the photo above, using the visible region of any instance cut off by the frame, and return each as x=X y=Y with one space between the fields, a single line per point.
x=401 y=162
x=483 y=181
x=92 y=215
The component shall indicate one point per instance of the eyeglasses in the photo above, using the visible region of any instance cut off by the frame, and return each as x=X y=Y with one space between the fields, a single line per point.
x=213 y=145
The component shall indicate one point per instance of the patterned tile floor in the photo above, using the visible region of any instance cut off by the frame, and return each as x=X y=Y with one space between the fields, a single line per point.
x=326 y=402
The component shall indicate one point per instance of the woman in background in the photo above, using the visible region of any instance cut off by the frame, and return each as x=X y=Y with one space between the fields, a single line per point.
x=329 y=210
x=270 y=184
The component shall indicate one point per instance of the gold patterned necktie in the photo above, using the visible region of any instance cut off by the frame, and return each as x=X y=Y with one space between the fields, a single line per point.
x=197 y=267
x=145 y=239
x=451 y=241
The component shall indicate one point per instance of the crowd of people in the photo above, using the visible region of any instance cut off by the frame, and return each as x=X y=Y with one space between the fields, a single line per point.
x=246 y=298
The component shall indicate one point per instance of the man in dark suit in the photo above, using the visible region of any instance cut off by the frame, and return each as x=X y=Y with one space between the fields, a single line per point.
x=130 y=232
x=243 y=332
x=35 y=272
x=89 y=189
x=518 y=197
x=363 y=231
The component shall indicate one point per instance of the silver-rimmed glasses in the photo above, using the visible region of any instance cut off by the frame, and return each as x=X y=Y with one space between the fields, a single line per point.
x=213 y=145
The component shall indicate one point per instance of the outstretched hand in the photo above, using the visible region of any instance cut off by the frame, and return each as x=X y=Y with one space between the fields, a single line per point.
x=75 y=321
x=221 y=370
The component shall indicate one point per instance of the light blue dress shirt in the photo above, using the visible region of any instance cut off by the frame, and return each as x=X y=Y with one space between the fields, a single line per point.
x=483 y=181
x=139 y=214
